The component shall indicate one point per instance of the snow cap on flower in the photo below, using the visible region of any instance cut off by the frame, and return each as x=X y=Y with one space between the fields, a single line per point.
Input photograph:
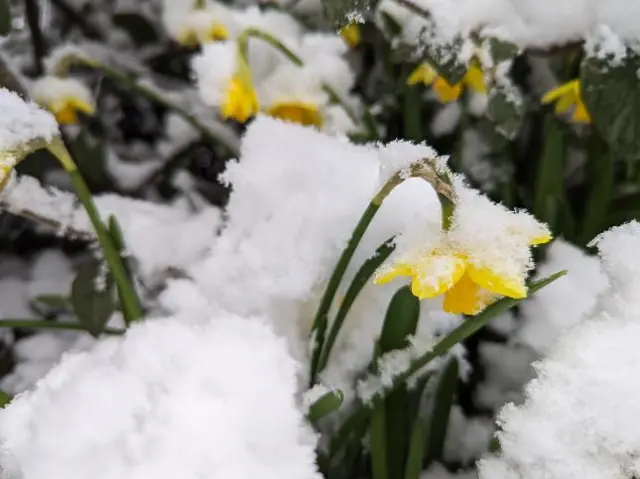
x=64 y=97
x=294 y=94
x=24 y=127
x=144 y=405
x=191 y=27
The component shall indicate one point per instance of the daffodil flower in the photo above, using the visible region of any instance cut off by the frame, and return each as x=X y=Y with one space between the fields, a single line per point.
x=240 y=100
x=200 y=25
x=64 y=97
x=567 y=96
x=351 y=34
x=485 y=255
x=473 y=79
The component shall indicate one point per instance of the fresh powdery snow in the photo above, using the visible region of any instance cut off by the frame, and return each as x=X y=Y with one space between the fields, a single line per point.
x=577 y=420
x=173 y=398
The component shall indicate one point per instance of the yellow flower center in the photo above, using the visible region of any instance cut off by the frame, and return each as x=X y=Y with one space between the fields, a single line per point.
x=241 y=101
x=216 y=33
x=297 y=112
x=351 y=34
x=66 y=110
x=188 y=38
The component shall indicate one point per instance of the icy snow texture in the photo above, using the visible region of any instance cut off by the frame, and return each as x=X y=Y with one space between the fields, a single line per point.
x=529 y=23
x=551 y=311
x=296 y=196
x=173 y=398
x=577 y=421
x=214 y=67
x=21 y=123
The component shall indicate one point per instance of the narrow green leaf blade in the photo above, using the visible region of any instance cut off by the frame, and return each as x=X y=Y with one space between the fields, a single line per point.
x=325 y=405
x=439 y=420
x=4 y=399
x=378 y=439
x=600 y=166
x=550 y=180
x=5 y=17
x=92 y=307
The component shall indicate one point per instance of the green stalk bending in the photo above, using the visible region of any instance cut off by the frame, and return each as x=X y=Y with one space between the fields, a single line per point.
x=128 y=298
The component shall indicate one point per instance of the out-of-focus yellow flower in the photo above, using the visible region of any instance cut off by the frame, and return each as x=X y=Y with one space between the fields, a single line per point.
x=351 y=34
x=64 y=97
x=297 y=112
x=567 y=96
x=469 y=285
x=240 y=99
x=191 y=37
x=425 y=73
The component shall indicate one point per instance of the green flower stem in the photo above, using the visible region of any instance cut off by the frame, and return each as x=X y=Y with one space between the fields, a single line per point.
x=296 y=60
x=362 y=277
x=128 y=298
x=33 y=324
x=421 y=169
x=155 y=97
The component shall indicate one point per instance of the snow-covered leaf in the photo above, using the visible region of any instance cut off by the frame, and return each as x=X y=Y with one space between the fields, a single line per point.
x=343 y=12
x=613 y=100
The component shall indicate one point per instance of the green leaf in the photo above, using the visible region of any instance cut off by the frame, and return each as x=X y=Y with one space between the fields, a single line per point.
x=601 y=177
x=359 y=281
x=502 y=50
x=56 y=301
x=5 y=17
x=399 y=325
x=4 y=399
x=612 y=98
x=326 y=404
x=550 y=181
x=90 y=154
x=506 y=108
x=93 y=308
x=444 y=57
x=343 y=12
x=378 y=440
x=439 y=419
x=139 y=28
x=417 y=440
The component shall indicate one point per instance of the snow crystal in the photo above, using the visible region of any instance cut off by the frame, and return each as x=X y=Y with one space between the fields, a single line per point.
x=575 y=422
x=174 y=397
x=553 y=310
x=23 y=123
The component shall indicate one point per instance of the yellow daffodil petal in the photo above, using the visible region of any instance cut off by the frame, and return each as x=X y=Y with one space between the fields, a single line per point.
x=297 y=112
x=566 y=88
x=422 y=74
x=445 y=92
x=502 y=285
x=83 y=106
x=474 y=79
x=351 y=34
x=542 y=239
x=390 y=272
x=581 y=114
x=466 y=297
x=66 y=115
x=436 y=274
x=564 y=103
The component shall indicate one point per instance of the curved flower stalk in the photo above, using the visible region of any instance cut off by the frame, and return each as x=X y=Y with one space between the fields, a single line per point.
x=25 y=128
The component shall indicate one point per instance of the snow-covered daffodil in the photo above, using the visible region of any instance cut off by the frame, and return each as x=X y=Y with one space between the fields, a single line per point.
x=192 y=27
x=240 y=99
x=64 y=97
x=473 y=79
x=567 y=96
x=485 y=255
x=351 y=34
